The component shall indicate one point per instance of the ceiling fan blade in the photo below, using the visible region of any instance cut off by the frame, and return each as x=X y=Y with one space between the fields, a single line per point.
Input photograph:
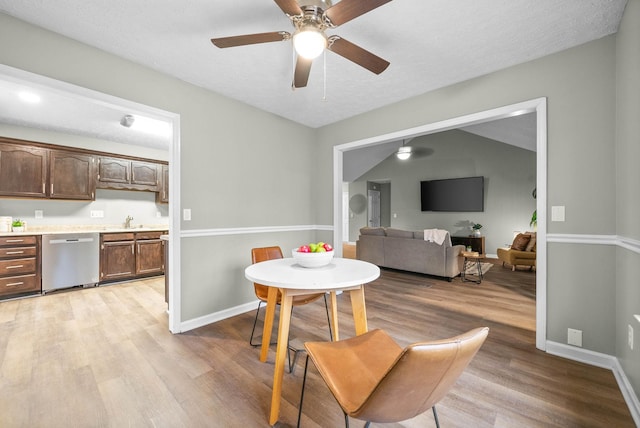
x=347 y=10
x=289 y=7
x=251 y=39
x=301 y=75
x=355 y=53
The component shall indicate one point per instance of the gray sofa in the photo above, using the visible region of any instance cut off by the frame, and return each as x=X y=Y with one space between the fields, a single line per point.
x=407 y=250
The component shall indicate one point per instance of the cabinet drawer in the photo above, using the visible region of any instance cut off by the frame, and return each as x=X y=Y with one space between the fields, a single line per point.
x=19 y=284
x=149 y=235
x=17 y=240
x=115 y=237
x=16 y=252
x=18 y=266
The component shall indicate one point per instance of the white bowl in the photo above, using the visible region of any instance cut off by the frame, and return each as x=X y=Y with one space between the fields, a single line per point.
x=312 y=260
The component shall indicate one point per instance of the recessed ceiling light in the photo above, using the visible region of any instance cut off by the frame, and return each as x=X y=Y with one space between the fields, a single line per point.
x=29 y=97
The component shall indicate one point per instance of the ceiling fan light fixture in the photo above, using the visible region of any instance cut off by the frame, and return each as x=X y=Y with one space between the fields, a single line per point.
x=309 y=42
x=404 y=153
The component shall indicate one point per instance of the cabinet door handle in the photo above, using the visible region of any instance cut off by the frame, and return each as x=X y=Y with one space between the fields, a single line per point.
x=14 y=284
x=15 y=266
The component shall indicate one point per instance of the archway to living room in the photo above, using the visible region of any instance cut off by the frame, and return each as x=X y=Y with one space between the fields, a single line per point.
x=536 y=107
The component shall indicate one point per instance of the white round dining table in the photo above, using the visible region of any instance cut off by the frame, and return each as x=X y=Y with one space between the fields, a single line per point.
x=294 y=280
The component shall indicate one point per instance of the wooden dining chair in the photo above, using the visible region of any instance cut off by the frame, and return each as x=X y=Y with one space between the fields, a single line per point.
x=269 y=253
x=373 y=379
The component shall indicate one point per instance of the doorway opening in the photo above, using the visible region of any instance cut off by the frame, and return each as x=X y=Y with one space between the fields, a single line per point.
x=537 y=106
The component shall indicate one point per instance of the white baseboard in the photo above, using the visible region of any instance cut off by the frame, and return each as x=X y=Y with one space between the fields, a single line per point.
x=217 y=316
x=604 y=361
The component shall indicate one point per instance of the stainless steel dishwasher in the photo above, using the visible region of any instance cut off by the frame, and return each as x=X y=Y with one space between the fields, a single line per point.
x=70 y=260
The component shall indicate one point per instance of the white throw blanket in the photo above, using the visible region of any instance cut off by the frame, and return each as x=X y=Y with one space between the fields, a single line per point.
x=435 y=235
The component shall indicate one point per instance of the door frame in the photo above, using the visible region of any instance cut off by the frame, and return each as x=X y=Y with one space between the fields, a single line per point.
x=537 y=106
x=101 y=98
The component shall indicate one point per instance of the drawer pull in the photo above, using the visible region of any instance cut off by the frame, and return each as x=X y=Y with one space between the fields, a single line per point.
x=14 y=284
x=14 y=252
x=15 y=267
x=14 y=240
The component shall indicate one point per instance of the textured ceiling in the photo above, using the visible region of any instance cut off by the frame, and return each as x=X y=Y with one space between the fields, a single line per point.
x=430 y=44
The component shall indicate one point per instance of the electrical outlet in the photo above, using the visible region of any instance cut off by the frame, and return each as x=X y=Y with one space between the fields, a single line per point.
x=574 y=337
x=630 y=337
x=39 y=213
x=97 y=214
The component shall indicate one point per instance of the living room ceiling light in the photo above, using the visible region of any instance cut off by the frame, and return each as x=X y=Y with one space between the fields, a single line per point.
x=404 y=152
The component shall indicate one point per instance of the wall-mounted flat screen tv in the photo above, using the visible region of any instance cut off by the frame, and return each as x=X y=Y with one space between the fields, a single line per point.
x=453 y=195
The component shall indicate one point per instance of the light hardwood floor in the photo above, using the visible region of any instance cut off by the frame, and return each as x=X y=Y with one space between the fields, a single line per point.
x=103 y=357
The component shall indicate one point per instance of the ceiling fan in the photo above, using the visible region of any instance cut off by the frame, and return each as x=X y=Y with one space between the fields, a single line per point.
x=310 y=20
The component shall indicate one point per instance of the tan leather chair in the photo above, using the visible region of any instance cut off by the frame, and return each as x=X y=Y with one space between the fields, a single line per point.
x=375 y=380
x=269 y=253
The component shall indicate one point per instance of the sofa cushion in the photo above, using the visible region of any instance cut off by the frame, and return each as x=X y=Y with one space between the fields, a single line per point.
x=520 y=242
x=398 y=233
x=378 y=231
x=531 y=245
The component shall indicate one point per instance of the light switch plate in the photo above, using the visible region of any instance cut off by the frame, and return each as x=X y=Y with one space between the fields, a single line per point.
x=186 y=214
x=557 y=213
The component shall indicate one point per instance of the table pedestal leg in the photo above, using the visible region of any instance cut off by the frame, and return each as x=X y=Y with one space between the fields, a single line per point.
x=281 y=354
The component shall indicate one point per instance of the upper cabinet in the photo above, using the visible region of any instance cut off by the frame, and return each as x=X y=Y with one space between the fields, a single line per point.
x=23 y=171
x=71 y=175
x=118 y=173
x=162 y=196
x=38 y=170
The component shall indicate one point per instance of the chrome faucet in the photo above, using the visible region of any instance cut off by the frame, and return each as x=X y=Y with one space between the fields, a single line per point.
x=127 y=222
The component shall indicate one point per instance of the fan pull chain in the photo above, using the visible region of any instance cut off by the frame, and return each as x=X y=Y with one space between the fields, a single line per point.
x=324 y=72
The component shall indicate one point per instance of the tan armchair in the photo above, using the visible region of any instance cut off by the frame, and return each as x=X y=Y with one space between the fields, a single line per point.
x=375 y=380
x=521 y=253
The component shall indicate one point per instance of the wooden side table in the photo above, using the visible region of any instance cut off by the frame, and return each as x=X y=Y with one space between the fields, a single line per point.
x=471 y=258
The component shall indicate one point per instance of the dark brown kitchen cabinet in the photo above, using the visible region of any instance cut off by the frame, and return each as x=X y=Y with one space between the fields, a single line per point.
x=23 y=171
x=162 y=196
x=150 y=256
x=118 y=173
x=19 y=265
x=71 y=175
x=130 y=255
x=117 y=256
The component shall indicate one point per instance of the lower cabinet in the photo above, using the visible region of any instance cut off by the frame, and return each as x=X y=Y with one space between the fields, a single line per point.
x=19 y=266
x=150 y=256
x=117 y=256
x=131 y=255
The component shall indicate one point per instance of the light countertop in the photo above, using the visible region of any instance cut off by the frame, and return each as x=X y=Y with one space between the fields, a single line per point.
x=58 y=229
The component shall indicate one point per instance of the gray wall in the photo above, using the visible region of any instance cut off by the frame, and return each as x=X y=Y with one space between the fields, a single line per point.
x=627 y=184
x=265 y=183
x=510 y=177
x=580 y=88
